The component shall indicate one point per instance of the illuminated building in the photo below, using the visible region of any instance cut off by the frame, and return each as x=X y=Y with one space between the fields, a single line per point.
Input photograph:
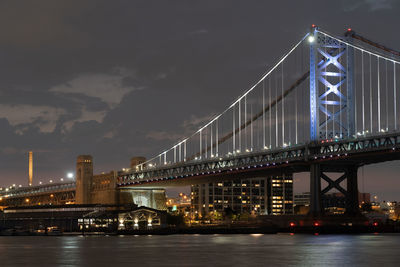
x=180 y=204
x=280 y=191
x=335 y=203
x=272 y=195
x=84 y=218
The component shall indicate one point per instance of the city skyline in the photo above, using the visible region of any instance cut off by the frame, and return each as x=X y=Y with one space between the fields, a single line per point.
x=77 y=83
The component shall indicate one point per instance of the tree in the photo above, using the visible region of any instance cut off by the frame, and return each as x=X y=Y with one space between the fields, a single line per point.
x=177 y=220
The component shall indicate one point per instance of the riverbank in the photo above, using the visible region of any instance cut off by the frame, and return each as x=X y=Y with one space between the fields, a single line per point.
x=225 y=230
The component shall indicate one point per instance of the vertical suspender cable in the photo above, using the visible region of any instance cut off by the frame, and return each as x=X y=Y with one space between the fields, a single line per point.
x=200 y=145
x=395 y=96
x=270 y=114
x=184 y=151
x=206 y=140
x=355 y=96
x=295 y=112
x=387 y=93
x=263 y=103
x=233 y=130
x=216 y=139
x=370 y=91
x=245 y=121
x=276 y=115
x=379 y=98
x=211 y=143
x=251 y=126
x=239 y=126
x=180 y=152
x=362 y=92
x=283 y=111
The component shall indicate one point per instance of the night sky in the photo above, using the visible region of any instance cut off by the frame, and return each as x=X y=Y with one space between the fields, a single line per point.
x=116 y=79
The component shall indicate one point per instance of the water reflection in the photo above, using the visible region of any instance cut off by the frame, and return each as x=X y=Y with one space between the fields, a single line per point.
x=201 y=250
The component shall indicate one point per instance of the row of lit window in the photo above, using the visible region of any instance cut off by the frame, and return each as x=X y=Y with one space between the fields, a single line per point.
x=234 y=185
x=281 y=181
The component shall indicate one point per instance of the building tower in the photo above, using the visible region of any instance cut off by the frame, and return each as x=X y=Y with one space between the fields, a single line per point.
x=136 y=161
x=30 y=172
x=84 y=176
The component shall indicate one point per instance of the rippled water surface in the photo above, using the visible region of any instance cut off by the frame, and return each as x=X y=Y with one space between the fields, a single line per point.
x=202 y=250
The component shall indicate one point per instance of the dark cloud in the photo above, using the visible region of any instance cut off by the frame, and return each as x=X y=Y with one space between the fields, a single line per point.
x=371 y=5
x=121 y=78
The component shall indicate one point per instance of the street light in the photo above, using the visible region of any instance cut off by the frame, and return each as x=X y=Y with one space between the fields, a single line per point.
x=70 y=175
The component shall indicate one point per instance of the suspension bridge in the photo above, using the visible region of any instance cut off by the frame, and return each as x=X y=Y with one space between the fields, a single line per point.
x=329 y=105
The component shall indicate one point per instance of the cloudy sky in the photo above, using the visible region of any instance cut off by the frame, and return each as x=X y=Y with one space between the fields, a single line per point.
x=119 y=78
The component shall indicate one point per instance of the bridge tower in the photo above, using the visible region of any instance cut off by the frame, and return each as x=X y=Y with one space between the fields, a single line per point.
x=84 y=176
x=332 y=114
x=331 y=88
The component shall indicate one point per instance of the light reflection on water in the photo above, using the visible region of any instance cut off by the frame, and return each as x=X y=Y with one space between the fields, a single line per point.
x=202 y=250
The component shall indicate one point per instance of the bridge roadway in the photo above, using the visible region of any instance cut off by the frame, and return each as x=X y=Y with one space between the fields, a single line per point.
x=331 y=155
x=57 y=193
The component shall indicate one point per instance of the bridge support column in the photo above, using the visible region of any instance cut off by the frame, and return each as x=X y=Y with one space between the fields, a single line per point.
x=352 y=191
x=319 y=172
x=315 y=190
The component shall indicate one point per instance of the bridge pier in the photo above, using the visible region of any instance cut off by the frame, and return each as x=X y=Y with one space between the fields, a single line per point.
x=316 y=208
x=352 y=191
x=318 y=172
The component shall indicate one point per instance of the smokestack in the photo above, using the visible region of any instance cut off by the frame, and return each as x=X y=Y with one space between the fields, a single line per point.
x=30 y=167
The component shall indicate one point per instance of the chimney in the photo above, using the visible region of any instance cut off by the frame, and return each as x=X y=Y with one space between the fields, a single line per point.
x=30 y=168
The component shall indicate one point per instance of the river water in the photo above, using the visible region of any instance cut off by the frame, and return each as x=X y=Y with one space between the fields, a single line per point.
x=202 y=250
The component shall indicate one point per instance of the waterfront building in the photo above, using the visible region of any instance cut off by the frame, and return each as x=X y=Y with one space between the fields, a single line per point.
x=302 y=203
x=142 y=218
x=83 y=218
x=271 y=195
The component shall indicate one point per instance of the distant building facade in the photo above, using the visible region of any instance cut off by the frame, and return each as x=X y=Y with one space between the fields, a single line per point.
x=272 y=195
x=334 y=203
x=302 y=203
x=102 y=188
